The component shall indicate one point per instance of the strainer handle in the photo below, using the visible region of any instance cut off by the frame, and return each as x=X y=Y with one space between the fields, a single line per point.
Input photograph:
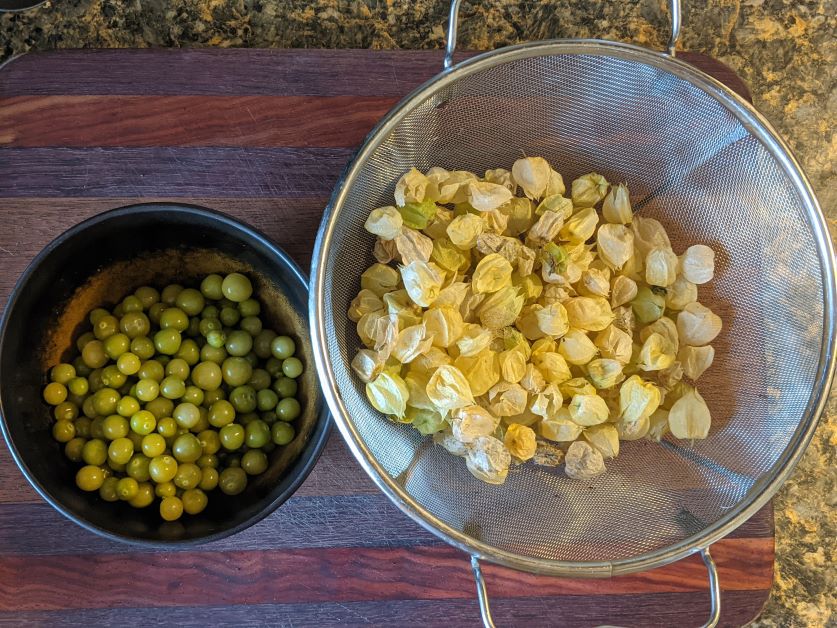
x=482 y=594
x=714 y=592
x=674 y=12
x=714 y=589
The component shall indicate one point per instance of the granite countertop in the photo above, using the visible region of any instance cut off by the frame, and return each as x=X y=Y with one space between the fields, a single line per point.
x=785 y=50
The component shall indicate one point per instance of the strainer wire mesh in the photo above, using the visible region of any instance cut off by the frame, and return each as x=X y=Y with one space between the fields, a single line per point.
x=707 y=169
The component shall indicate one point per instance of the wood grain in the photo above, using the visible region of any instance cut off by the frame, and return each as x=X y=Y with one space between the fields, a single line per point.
x=302 y=523
x=263 y=135
x=337 y=505
x=155 y=72
x=325 y=575
x=138 y=121
x=176 y=172
x=291 y=221
x=661 y=610
x=210 y=72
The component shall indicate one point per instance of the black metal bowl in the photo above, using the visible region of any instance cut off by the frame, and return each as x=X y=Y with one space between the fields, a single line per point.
x=19 y=5
x=99 y=261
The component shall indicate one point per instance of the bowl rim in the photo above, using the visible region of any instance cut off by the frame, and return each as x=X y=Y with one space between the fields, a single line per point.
x=763 y=489
x=316 y=441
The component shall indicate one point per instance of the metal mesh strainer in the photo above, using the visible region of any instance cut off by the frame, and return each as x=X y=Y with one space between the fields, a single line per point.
x=710 y=168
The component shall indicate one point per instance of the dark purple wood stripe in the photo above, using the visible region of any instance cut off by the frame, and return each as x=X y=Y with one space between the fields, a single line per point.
x=650 y=610
x=291 y=222
x=384 y=73
x=302 y=522
x=170 y=172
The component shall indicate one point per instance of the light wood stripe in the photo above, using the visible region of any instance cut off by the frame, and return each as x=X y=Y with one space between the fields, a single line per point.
x=336 y=574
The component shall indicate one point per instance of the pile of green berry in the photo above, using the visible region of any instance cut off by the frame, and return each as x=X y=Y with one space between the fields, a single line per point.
x=174 y=394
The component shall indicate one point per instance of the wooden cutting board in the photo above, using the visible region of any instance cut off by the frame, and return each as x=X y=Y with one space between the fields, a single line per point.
x=264 y=135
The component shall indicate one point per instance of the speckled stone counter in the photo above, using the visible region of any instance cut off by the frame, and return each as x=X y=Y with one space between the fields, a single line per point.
x=786 y=51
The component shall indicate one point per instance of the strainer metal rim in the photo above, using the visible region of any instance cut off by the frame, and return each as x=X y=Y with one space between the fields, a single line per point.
x=762 y=490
